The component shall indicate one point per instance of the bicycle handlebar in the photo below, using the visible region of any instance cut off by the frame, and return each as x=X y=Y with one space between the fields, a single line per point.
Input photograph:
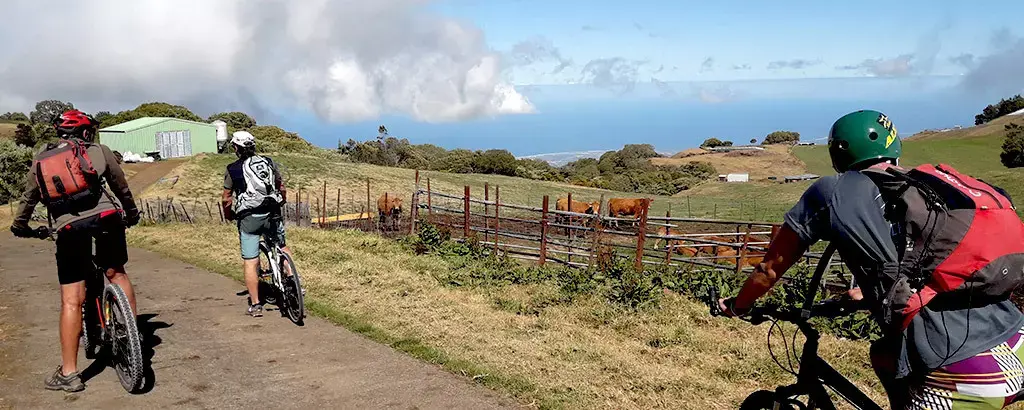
x=759 y=314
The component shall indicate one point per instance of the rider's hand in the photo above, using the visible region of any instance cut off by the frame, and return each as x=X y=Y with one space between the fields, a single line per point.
x=23 y=231
x=855 y=293
x=132 y=217
x=728 y=307
x=41 y=232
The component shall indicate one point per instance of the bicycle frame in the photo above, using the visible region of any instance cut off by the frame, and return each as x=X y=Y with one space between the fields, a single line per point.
x=274 y=256
x=815 y=373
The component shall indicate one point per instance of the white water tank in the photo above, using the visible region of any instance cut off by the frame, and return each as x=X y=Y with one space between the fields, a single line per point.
x=222 y=131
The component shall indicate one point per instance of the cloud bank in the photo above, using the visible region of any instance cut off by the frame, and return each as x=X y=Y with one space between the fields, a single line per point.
x=346 y=60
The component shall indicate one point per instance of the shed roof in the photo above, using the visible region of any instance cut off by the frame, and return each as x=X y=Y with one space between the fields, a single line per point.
x=145 y=122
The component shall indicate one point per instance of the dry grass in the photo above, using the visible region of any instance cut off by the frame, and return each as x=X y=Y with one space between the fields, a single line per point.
x=984 y=130
x=582 y=354
x=7 y=130
x=775 y=160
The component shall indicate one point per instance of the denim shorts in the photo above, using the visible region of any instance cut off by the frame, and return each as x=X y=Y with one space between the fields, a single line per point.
x=252 y=227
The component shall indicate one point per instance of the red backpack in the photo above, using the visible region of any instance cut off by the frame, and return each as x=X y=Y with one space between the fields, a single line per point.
x=965 y=243
x=67 y=181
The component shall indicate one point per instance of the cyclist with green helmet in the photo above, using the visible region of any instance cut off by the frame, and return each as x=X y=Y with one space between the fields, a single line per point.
x=949 y=357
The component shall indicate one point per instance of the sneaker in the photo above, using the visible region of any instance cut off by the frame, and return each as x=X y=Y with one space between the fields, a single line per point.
x=256 y=310
x=69 y=383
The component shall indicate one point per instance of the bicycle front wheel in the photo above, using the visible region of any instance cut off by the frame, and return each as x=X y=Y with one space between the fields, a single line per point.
x=294 y=304
x=124 y=338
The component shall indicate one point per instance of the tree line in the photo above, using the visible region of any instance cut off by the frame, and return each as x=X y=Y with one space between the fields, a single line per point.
x=777 y=137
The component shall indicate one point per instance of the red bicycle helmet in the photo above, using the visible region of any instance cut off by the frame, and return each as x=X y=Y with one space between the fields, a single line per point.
x=75 y=124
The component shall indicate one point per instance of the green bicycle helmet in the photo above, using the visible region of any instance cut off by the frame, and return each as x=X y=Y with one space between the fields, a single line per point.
x=861 y=138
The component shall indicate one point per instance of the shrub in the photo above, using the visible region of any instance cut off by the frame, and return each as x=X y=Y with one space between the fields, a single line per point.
x=781 y=137
x=1003 y=107
x=1013 y=147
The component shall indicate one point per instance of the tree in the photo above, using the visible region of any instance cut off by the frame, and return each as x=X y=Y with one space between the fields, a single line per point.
x=152 y=109
x=727 y=143
x=14 y=116
x=712 y=142
x=781 y=137
x=1013 y=147
x=1003 y=107
x=753 y=140
x=25 y=136
x=46 y=111
x=102 y=116
x=495 y=161
x=235 y=120
x=274 y=139
x=43 y=133
x=14 y=163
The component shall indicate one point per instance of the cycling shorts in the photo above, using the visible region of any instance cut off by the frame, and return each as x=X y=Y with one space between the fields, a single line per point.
x=74 y=247
x=252 y=227
x=988 y=380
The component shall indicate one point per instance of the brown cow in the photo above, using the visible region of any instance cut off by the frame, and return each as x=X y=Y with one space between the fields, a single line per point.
x=619 y=207
x=389 y=205
x=579 y=207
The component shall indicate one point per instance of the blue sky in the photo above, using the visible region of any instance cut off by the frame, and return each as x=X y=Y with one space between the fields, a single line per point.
x=814 y=37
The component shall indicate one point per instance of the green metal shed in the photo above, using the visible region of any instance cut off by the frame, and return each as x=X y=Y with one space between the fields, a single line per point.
x=171 y=137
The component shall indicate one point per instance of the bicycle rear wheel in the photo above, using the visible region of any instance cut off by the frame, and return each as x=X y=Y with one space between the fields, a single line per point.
x=124 y=338
x=294 y=304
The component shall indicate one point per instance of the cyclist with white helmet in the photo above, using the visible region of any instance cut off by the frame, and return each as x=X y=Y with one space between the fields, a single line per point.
x=253 y=196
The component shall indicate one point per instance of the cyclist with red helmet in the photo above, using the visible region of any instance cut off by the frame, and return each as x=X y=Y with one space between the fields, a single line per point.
x=67 y=177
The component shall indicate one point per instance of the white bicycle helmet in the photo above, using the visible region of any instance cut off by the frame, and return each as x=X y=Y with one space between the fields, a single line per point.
x=243 y=139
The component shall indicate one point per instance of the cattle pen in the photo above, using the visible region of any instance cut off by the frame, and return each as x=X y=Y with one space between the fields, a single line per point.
x=542 y=233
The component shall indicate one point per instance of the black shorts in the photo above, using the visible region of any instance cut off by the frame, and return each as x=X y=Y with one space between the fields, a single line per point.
x=74 y=247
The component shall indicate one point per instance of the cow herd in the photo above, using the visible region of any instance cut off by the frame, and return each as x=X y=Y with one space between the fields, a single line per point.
x=621 y=208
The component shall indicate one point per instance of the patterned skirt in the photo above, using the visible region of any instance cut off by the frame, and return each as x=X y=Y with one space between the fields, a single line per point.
x=990 y=380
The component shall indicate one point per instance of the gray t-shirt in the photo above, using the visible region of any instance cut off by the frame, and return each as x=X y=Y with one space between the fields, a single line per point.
x=848 y=209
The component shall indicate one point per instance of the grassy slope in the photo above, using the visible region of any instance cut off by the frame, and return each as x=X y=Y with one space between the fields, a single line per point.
x=7 y=130
x=525 y=340
x=202 y=177
x=775 y=160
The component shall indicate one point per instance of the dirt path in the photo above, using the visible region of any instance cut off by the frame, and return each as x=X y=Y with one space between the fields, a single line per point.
x=205 y=352
x=149 y=173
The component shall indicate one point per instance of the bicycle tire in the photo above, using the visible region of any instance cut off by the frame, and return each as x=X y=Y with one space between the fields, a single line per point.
x=763 y=400
x=295 y=305
x=122 y=326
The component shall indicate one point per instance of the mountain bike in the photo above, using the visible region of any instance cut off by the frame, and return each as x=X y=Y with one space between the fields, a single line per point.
x=815 y=374
x=271 y=269
x=108 y=312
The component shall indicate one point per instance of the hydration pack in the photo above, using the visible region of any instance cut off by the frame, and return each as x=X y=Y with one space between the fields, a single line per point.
x=964 y=244
x=67 y=181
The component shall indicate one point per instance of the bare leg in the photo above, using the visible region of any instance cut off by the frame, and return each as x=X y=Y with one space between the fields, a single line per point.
x=71 y=296
x=252 y=279
x=118 y=277
x=287 y=268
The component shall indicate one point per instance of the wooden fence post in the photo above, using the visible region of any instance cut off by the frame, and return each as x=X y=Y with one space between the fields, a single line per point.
x=714 y=214
x=497 y=218
x=742 y=254
x=430 y=206
x=414 y=215
x=323 y=203
x=775 y=232
x=465 y=213
x=337 y=208
x=543 y=232
x=595 y=248
x=688 y=213
x=487 y=211
x=209 y=213
x=668 y=242
x=641 y=235
x=569 y=234
x=368 y=207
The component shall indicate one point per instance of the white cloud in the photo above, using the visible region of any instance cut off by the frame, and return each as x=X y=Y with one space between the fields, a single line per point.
x=346 y=60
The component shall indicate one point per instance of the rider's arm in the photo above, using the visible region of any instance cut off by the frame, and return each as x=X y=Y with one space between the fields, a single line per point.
x=29 y=198
x=117 y=182
x=279 y=182
x=226 y=199
x=784 y=251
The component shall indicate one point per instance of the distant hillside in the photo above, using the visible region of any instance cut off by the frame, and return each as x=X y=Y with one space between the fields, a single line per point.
x=775 y=160
x=558 y=159
x=984 y=130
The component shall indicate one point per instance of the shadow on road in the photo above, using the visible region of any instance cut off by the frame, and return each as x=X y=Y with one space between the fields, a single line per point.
x=269 y=296
x=147 y=329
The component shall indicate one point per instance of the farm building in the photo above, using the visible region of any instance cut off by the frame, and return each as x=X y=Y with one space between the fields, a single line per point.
x=170 y=137
x=734 y=177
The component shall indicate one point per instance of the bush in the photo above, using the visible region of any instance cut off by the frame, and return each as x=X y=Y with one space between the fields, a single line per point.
x=781 y=137
x=495 y=161
x=1003 y=107
x=14 y=117
x=712 y=142
x=14 y=163
x=1013 y=147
